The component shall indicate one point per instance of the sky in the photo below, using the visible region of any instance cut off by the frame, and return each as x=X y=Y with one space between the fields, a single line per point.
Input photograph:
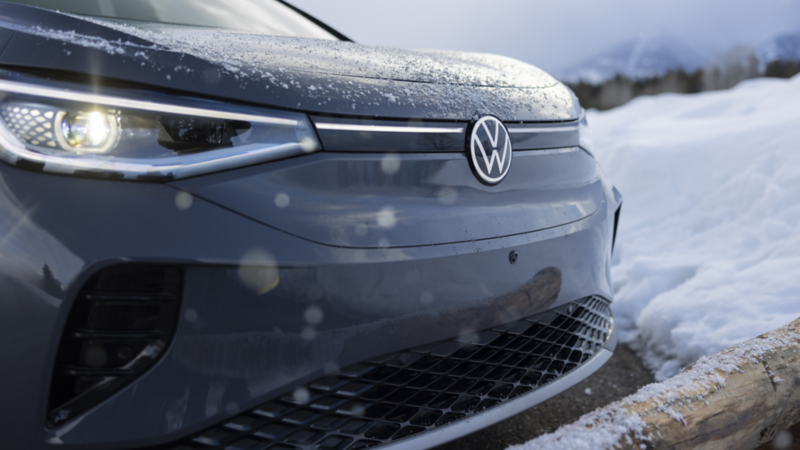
x=554 y=35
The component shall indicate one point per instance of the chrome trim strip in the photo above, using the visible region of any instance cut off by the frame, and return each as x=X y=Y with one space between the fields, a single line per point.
x=547 y=151
x=543 y=130
x=28 y=89
x=611 y=343
x=477 y=422
x=385 y=129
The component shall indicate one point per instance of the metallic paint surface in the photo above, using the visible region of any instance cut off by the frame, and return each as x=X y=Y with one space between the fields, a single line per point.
x=347 y=200
x=80 y=225
x=343 y=72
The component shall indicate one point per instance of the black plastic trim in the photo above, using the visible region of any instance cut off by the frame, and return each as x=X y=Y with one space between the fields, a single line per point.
x=382 y=141
x=409 y=136
x=316 y=21
x=616 y=224
x=388 y=398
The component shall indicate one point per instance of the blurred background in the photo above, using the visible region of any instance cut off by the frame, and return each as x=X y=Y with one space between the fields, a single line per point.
x=608 y=52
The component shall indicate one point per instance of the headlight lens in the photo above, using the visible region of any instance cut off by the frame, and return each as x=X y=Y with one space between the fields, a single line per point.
x=93 y=132
x=585 y=135
x=76 y=133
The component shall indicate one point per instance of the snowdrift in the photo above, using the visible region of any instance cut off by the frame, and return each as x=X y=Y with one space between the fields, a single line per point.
x=708 y=250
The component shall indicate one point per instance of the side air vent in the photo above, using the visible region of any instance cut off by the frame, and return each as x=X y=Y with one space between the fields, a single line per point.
x=120 y=324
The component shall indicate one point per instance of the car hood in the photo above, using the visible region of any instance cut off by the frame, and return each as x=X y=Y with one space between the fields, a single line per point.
x=305 y=74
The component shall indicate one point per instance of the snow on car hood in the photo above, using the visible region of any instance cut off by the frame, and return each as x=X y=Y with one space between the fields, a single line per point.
x=258 y=54
x=298 y=73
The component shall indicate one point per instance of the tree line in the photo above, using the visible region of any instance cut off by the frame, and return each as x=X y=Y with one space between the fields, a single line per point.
x=722 y=72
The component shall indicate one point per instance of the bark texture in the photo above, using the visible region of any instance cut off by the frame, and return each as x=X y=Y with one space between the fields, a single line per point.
x=755 y=403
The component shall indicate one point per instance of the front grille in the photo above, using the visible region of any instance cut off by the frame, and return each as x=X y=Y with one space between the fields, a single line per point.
x=402 y=394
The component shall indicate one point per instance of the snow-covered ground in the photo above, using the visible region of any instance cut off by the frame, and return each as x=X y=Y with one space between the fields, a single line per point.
x=708 y=250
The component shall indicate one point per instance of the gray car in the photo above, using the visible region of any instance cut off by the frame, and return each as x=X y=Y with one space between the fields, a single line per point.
x=223 y=224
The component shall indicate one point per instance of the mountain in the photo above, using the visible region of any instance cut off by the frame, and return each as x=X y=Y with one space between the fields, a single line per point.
x=784 y=47
x=639 y=58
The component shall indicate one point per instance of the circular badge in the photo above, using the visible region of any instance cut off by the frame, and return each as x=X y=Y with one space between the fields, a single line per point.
x=490 y=150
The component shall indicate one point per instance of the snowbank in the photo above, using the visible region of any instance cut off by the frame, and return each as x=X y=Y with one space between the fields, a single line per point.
x=708 y=250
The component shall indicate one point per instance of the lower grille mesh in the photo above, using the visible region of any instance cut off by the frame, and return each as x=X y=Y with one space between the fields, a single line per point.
x=402 y=394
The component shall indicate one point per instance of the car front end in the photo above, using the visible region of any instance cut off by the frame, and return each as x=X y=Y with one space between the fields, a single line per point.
x=218 y=238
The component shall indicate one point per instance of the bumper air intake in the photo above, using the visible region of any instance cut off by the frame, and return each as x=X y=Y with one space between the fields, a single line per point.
x=120 y=324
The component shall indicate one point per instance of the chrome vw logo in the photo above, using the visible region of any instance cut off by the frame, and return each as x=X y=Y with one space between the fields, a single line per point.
x=490 y=150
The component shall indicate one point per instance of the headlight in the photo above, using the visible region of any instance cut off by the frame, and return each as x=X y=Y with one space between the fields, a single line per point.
x=585 y=135
x=77 y=133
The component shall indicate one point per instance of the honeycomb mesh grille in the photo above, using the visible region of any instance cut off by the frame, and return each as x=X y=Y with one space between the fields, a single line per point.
x=394 y=396
x=30 y=124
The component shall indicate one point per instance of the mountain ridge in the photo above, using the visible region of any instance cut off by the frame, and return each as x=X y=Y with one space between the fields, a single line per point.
x=643 y=57
x=654 y=56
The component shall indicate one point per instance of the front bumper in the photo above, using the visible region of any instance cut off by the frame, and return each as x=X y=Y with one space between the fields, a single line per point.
x=243 y=348
x=434 y=393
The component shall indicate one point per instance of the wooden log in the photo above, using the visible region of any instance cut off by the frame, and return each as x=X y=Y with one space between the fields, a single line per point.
x=738 y=398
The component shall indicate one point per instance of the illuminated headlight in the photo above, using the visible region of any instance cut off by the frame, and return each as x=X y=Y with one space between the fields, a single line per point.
x=43 y=126
x=92 y=131
x=76 y=133
x=585 y=135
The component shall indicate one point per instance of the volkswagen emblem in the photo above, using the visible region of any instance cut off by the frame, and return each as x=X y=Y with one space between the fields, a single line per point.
x=489 y=150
